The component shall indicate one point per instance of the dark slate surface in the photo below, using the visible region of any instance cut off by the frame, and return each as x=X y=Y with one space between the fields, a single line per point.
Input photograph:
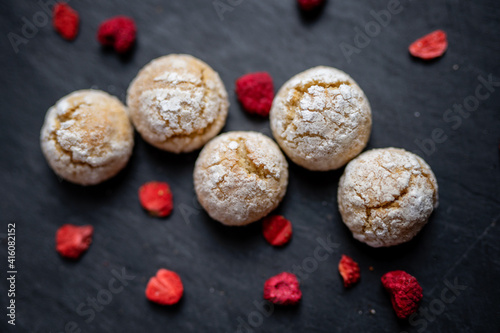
x=223 y=269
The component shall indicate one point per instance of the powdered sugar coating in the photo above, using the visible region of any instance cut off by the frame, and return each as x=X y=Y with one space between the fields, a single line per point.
x=177 y=103
x=321 y=118
x=240 y=177
x=87 y=137
x=386 y=196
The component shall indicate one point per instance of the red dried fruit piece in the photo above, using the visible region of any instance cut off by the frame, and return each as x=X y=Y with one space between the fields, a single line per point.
x=277 y=230
x=156 y=198
x=310 y=4
x=349 y=269
x=165 y=288
x=255 y=92
x=282 y=289
x=405 y=292
x=65 y=20
x=118 y=32
x=73 y=240
x=430 y=46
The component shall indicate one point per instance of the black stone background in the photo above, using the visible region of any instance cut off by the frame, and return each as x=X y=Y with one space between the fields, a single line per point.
x=224 y=269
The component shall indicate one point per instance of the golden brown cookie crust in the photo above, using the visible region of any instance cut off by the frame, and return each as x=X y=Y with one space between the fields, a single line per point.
x=87 y=137
x=240 y=177
x=386 y=196
x=177 y=103
x=321 y=118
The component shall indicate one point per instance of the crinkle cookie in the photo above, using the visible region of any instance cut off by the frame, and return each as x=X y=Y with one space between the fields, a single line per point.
x=321 y=118
x=240 y=177
x=386 y=196
x=177 y=103
x=87 y=137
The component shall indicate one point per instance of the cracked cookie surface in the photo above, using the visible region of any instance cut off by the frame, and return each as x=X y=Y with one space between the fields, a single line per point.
x=386 y=196
x=240 y=177
x=321 y=118
x=87 y=137
x=177 y=103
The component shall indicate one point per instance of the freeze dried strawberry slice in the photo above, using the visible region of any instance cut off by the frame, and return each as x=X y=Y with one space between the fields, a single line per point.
x=118 y=32
x=255 y=92
x=283 y=289
x=156 y=198
x=73 y=240
x=406 y=292
x=277 y=230
x=430 y=46
x=308 y=5
x=165 y=288
x=65 y=20
x=349 y=269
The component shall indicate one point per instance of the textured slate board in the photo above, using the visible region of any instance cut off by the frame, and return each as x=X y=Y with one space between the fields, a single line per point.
x=224 y=269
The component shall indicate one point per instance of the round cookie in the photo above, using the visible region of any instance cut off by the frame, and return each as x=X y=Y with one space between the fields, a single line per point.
x=386 y=196
x=321 y=118
x=177 y=103
x=87 y=137
x=240 y=177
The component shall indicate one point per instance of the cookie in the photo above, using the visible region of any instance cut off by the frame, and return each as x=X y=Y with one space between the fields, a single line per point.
x=321 y=119
x=87 y=137
x=386 y=196
x=240 y=177
x=177 y=103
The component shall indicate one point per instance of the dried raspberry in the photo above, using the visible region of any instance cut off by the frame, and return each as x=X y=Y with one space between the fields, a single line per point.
x=310 y=4
x=349 y=269
x=405 y=292
x=283 y=289
x=430 y=46
x=256 y=92
x=65 y=20
x=73 y=240
x=165 y=288
x=118 y=32
x=277 y=230
x=156 y=198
